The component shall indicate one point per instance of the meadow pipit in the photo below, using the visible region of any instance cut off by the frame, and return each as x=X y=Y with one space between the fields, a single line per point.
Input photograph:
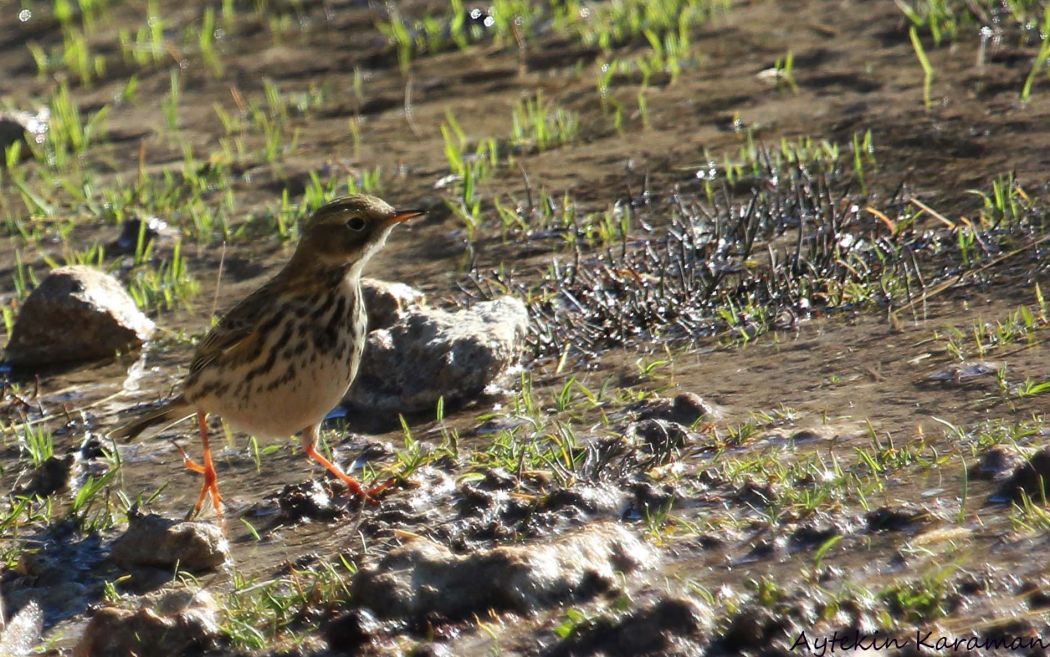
x=283 y=357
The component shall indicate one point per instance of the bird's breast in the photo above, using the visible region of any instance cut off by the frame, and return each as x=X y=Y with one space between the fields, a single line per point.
x=302 y=368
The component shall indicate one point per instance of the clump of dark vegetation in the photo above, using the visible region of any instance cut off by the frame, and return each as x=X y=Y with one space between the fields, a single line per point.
x=804 y=241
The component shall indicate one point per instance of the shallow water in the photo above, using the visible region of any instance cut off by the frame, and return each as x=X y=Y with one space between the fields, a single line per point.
x=856 y=379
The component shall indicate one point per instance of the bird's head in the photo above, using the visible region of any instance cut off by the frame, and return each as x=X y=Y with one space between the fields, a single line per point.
x=347 y=231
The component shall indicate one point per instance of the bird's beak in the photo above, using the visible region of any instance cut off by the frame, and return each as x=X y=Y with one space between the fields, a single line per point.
x=403 y=215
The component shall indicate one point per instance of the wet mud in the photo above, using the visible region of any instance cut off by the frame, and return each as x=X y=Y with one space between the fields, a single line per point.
x=807 y=390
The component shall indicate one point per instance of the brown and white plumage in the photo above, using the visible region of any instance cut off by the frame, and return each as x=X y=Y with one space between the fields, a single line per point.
x=283 y=357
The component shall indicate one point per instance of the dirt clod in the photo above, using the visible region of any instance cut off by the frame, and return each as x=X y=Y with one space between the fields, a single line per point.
x=50 y=477
x=306 y=500
x=167 y=623
x=155 y=541
x=422 y=579
x=685 y=409
x=661 y=436
x=349 y=631
x=670 y=626
x=897 y=518
x=1031 y=478
x=998 y=462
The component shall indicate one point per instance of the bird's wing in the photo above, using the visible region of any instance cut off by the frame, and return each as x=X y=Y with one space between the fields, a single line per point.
x=237 y=332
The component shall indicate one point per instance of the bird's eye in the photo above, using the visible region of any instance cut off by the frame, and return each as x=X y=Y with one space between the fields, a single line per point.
x=357 y=223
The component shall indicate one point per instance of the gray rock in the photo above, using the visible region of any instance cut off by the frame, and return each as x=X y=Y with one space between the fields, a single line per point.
x=430 y=353
x=77 y=313
x=387 y=302
x=155 y=541
x=22 y=128
x=422 y=579
x=167 y=623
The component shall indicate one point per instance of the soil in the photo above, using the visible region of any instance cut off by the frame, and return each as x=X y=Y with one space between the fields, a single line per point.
x=814 y=475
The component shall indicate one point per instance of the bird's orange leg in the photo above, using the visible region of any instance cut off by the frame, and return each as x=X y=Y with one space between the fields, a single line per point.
x=309 y=438
x=211 y=478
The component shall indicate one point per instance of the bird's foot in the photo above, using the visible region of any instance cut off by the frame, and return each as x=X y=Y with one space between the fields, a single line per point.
x=187 y=461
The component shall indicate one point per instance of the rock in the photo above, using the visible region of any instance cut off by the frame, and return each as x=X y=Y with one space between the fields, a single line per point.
x=22 y=128
x=997 y=462
x=1031 y=478
x=386 y=302
x=52 y=476
x=349 y=631
x=155 y=231
x=168 y=623
x=155 y=541
x=77 y=313
x=430 y=353
x=422 y=579
x=685 y=409
x=670 y=626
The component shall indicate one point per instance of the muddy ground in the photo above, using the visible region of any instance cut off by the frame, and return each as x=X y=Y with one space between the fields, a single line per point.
x=865 y=332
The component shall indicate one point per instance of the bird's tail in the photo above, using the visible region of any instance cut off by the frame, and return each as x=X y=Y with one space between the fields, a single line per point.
x=173 y=411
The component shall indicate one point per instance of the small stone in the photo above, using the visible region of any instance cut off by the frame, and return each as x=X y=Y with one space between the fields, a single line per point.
x=423 y=579
x=349 y=631
x=1031 y=478
x=689 y=407
x=152 y=229
x=997 y=462
x=22 y=128
x=168 y=623
x=52 y=476
x=386 y=302
x=155 y=541
x=685 y=408
x=77 y=313
x=429 y=354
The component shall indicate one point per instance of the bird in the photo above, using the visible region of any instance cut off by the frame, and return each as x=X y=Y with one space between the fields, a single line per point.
x=282 y=358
